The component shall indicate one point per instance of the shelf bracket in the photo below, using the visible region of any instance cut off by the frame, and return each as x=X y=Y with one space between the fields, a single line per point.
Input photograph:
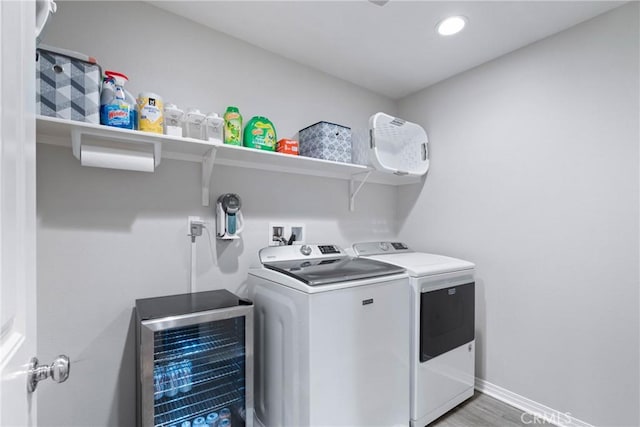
x=353 y=191
x=207 y=170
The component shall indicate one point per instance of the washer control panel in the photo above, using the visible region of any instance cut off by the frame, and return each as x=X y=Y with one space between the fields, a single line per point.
x=328 y=249
x=295 y=252
x=399 y=246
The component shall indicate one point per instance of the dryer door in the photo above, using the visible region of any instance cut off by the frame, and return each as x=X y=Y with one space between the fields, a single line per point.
x=446 y=319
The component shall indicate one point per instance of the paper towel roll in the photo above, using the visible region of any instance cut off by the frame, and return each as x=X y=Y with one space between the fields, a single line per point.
x=115 y=158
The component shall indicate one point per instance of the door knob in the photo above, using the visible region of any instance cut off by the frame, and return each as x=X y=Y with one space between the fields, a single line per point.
x=57 y=371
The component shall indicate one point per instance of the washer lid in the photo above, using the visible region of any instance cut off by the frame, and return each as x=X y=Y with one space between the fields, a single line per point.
x=422 y=264
x=324 y=271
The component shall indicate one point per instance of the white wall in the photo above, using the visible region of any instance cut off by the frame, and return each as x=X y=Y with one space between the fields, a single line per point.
x=535 y=178
x=108 y=237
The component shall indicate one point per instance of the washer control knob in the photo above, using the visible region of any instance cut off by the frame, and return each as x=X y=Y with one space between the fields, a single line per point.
x=384 y=246
x=305 y=250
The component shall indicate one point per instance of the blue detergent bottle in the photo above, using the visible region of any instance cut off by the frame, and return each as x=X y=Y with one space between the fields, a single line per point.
x=117 y=106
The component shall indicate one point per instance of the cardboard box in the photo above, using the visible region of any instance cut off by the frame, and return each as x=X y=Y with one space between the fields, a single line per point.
x=287 y=146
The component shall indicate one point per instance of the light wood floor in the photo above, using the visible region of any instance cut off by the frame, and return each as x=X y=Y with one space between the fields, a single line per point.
x=485 y=411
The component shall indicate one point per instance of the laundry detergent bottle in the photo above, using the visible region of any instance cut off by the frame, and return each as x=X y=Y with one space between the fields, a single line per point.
x=232 y=126
x=117 y=106
x=260 y=134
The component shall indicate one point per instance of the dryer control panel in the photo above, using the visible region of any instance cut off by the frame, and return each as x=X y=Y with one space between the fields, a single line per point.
x=377 y=248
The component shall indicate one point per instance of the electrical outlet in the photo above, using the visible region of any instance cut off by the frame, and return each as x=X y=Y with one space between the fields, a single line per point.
x=195 y=224
x=194 y=221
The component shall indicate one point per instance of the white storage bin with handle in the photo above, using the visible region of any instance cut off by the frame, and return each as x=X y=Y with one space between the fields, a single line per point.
x=392 y=145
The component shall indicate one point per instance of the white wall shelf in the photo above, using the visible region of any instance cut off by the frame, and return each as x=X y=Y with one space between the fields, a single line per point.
x=56 y=131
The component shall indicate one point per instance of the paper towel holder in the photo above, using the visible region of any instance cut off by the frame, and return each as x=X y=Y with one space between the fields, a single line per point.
x=110 y=135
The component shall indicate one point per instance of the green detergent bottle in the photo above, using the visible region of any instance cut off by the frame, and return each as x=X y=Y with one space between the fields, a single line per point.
x=232 y=126
x=260 y=134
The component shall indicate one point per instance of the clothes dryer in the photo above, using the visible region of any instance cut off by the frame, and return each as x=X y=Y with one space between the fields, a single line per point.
x=442 y=326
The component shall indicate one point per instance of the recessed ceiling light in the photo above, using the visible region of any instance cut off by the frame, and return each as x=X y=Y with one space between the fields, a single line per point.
x=451 y=25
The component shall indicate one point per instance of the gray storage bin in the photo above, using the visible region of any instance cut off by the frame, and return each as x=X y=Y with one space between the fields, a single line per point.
x=327 y=141
x=67 y=87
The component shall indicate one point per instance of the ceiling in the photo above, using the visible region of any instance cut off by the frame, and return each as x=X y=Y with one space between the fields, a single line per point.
x=392 y=49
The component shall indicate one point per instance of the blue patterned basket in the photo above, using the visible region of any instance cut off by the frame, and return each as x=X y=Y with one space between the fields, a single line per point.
x=327 y=141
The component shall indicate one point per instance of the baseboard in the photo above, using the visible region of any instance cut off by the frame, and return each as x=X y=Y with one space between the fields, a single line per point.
x=537 y=411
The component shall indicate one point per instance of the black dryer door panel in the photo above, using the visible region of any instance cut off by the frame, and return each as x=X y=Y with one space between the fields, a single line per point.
x=447 y=319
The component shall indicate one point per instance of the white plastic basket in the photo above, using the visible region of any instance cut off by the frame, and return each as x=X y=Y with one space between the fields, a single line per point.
x=393 y=145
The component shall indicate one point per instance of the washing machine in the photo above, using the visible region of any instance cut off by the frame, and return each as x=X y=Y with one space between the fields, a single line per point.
x=332 y=341
x=442 y=327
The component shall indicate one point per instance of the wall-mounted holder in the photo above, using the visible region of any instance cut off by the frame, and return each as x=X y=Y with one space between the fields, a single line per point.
x=229 y=219
x=112 y=156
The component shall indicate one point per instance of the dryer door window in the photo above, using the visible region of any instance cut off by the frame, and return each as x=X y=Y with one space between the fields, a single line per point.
x=447 y=319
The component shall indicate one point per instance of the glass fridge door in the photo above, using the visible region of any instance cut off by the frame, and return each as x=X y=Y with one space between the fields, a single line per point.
x=199 y=374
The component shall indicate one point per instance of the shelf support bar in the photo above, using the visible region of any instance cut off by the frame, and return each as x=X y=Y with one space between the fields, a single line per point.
x=208 y=161
x=353 y=191
x=76 y=142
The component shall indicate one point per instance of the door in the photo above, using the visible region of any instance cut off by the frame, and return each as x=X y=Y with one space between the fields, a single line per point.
x=447 y=319
x=197 y=368
x=359 y=355
x=446 y=369
x=17 y=210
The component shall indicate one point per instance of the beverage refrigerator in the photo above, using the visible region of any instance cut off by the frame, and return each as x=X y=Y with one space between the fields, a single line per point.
x=195 y=360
